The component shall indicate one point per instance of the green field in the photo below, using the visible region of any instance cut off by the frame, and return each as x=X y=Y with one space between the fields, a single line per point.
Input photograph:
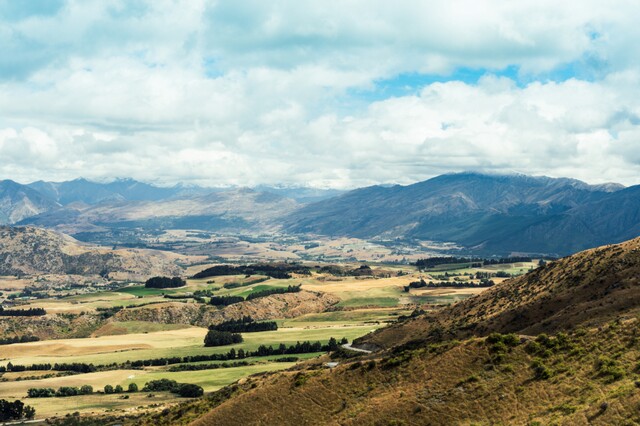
x=183 y=346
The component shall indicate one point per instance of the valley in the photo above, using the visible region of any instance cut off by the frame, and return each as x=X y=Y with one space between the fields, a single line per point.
x=119 y=332
x=123 y=321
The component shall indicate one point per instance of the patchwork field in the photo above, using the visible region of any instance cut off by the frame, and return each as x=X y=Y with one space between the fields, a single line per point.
x=362 y=304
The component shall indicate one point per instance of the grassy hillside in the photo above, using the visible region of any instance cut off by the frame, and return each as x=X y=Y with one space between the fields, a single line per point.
x=457 y=368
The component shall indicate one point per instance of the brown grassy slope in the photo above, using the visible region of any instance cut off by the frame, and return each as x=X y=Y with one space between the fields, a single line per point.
x=586 y=289
x=453 y=384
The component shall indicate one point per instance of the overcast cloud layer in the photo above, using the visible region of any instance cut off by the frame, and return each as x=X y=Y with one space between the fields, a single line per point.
x=320 y=93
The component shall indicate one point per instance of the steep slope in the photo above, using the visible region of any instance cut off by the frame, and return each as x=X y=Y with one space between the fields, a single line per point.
x=18 y=202
x=30 y=251
x=428 y=376
x=584 y=290
x=587 y=379
x=492 y=213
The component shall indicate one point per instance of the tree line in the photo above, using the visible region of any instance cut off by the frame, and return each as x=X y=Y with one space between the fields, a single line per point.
x=232 y=354
x=16 y=339
x=246 y=324
x=456 y=284
x=230 y=300
x=277 y=270
x=432 y=262
x=31 y=312
x=162 y=385
x=165 y=282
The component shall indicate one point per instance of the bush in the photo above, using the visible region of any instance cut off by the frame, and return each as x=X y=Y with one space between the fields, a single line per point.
x=189 y=390
x=609 y=368
x=161 y=385
x=15 y=410
x=67 y=391
x=118 y=389
x=41 y=393
x=132 y=387
x=108 y=389
x=221 y=338
x=540 y=371
x=86 y=390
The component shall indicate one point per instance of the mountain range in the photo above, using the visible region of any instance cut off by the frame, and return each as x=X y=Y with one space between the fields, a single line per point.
x=485 y=214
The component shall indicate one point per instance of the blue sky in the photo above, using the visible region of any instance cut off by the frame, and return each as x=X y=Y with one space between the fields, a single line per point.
x=319 y=93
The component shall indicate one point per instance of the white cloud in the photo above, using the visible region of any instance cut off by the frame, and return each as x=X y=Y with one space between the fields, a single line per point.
x=272 y=92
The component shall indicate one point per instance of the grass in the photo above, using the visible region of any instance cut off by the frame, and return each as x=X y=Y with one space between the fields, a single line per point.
x=134 y=327
x=370 y=301
x=210 y=380
x=140 y=290
x=119 y=349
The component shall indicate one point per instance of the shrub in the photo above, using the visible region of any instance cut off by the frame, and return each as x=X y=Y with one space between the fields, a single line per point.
x=132 y=387
x=221 y=338
x=118 y=389
x=86 y=390
x=540 y=371
x=108 y=389
x=67 y=391
x=609 y=368
x=189 y=390
x=160 y=385
x=41 y=393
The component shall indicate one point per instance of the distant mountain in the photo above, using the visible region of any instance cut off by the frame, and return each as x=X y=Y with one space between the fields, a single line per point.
x=229 y=210
x=489 y=213
x=88 y=192
x=301 y=194
x=19 y=201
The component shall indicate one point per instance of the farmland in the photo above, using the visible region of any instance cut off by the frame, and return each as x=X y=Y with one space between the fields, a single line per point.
x=366 y=297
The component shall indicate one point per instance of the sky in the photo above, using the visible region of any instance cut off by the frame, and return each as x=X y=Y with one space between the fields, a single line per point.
x=331 y=94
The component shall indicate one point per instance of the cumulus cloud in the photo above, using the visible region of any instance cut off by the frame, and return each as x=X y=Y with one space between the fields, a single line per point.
x=257 y=92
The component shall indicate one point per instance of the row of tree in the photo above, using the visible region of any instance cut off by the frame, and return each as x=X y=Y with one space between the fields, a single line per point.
x=456 y=284
x=165 y=282
x=16 y=339
x=187 y=390
x=432 y=262
x=245 y=324
x=273 y=270
x=230 y=300
x=198 y=367
x=31 y=312
x=277 y=290
x=232 y=354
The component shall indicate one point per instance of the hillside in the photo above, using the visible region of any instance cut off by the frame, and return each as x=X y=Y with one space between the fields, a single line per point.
x=489 y=213
x=30 y=251
x=288 y=305
x=440 y=368
x=18 y=202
